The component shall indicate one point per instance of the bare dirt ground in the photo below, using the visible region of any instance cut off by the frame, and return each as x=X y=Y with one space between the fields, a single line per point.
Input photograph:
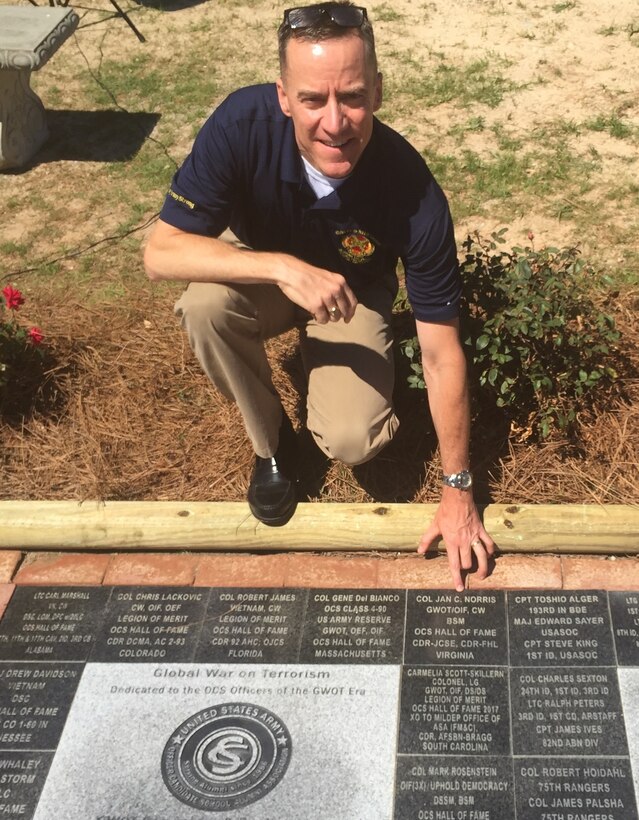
x=124 y=412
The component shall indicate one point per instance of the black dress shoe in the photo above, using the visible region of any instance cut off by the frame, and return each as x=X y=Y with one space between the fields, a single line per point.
x=272 y=494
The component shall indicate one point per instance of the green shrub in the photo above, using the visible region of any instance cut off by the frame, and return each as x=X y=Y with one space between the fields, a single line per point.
x=539 y=345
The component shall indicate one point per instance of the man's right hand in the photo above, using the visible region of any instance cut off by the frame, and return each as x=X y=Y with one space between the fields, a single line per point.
x=316 y=290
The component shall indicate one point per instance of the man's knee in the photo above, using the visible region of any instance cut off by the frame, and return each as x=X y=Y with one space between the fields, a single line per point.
x=354 y=441
x=207 y=307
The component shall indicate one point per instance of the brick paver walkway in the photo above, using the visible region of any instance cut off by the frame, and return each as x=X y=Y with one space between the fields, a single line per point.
x=294 y=569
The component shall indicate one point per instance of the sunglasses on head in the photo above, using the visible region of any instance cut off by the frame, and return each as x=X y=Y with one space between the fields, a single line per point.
x=343 y=16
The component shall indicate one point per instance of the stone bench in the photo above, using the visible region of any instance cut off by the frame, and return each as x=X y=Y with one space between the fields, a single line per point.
x=29 y=36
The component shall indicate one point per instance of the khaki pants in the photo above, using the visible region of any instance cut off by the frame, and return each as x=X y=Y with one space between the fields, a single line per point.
x=349 y=367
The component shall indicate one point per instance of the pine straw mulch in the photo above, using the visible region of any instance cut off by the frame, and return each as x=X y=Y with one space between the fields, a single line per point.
x=125 y=413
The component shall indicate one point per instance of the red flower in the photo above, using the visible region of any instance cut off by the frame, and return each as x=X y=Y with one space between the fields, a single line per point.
x=35 y=335
x=531 y=235
x=14 y=297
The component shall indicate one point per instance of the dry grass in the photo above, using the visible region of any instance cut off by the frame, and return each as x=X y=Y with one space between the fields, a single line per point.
x=134 y=418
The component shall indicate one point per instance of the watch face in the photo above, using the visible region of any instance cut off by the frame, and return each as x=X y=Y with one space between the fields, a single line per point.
x=464 y=480
x=460 y=481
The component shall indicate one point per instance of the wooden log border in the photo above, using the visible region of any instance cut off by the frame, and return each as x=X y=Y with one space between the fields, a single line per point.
x=193 y=526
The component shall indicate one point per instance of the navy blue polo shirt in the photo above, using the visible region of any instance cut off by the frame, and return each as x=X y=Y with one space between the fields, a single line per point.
x=245 y=172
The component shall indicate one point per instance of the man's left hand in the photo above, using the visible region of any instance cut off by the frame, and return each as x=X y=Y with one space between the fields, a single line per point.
x=457 y=522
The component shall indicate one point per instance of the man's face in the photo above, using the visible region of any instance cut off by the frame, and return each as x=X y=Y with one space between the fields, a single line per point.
x=330 y=93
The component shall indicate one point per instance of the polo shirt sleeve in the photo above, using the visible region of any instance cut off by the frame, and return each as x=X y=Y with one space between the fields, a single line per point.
x=433 y=280
x=201 y=197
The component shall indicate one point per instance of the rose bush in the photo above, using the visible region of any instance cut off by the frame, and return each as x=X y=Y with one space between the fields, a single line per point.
x=18 y=345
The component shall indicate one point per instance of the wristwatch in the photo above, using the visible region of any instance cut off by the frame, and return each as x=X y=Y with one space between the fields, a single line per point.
x=460 y=481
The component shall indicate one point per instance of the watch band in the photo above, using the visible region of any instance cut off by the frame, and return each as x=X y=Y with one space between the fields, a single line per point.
x=462 y=480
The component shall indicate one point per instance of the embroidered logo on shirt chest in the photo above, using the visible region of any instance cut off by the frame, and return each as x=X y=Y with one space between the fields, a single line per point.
x=356 y=246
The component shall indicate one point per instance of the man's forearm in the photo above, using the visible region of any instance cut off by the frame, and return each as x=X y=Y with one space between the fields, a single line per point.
x=456 y=520
x=171 y=254
x=447 y=387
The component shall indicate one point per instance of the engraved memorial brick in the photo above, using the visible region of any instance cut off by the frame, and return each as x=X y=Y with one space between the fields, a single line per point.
x=22 y=776
x=151 y=624
x=574 y=711
x=449 y=710
x=559 y=629
x=446 y=788
x=353 y=626
x=451 y=628
x=35 y=699
x=558 y=789
x=624 y=609
x=51 y=623
x=252 y=625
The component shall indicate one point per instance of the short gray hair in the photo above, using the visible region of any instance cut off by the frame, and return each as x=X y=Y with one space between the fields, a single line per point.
x=326 y=29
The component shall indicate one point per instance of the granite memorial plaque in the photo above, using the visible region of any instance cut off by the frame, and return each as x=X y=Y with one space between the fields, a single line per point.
x=624 y=610
x=454 y=710
x=35 y=699
x=22 y=776
x=452 y=628
x=629 y=690
x=273 y=704
x=354 y=626
x=267 y=742
x=560 y=629
x=447 y=788
x=252 y=625
x=51 y=624
x=574 y=789
x=151 y=624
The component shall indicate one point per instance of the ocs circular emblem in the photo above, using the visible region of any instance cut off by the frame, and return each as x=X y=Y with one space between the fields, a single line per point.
x=356 y=246
x=226 y=756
